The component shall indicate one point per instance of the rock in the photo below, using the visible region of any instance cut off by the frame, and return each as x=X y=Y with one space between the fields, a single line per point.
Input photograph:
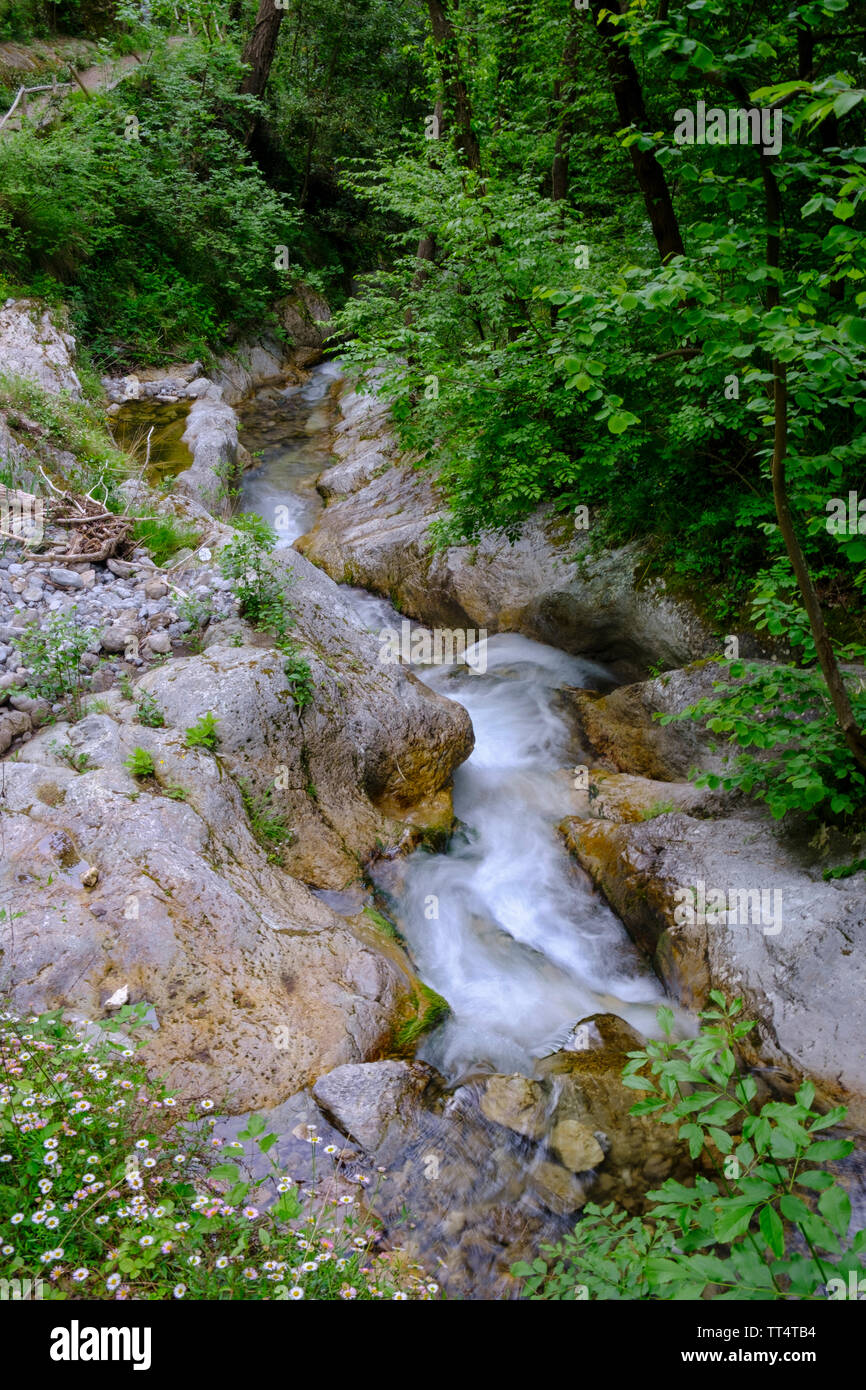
x=118 y=998
x=516 y=1103
x=122 y=568
x=65 y=579
x=259 y=988
x=576 y=1146
x=155 y=588
x=13 y=723
x=32 y=346
x=794 y=948
x=547 y=584
x=90 y=877
x=115 y=638
x=560 y=1190
x=38 y=709
x=378 y=747
x=159 y=642
x=366 y=1101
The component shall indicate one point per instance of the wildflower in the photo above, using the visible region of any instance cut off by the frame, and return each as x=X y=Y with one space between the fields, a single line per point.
x=50 y=1143
x=194 y=1260
x=179 y=1290
x=400 y=1297
x=79 y=1275
x=112 y=1282
x=19 y=1216
x=181 y=1225
x=145 y=1240
x=50 y=1157
x=359 y=1243
x=222 y=1262
x=167 y=1247
x=296 y=1292
x=251 y=1213
x=347 y=1200
x=101 y=1220
x=89 y=1177
x=330 y=1148
x=8 y=1249
x=310 y=1266
x=432 y=1288
x=250 y=1274
x=142 y=1144
x=207 y=1105
x=52 y=1223
x=348 y=1292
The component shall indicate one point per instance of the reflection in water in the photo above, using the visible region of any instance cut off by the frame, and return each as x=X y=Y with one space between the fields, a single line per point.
x=286 y=429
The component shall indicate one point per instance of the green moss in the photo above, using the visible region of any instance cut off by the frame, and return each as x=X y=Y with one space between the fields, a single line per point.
x=432 y=1010
x=381 y=923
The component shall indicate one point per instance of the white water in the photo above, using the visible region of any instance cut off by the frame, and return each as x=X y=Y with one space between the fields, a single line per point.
x=521 y=945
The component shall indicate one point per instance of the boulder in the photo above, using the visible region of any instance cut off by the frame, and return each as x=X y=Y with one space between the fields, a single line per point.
x=32 y=346
x=547 y=584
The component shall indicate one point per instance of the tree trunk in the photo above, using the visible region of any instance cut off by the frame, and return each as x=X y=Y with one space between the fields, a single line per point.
x=630 y=108
x=456 y=92
x=563 y=98
x=260 y=48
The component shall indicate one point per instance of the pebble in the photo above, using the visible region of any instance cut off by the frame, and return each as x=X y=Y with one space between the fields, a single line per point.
x=65 y=579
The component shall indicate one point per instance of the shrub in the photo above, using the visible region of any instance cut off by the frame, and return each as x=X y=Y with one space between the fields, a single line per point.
x=773 y=1225
x=53 y=653
x=163 y=536
x=148 y=711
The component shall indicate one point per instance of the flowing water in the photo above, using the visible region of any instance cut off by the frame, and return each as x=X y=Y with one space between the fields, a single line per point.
x=503 y=923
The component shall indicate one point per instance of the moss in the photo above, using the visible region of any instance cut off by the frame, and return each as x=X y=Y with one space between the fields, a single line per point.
x=432 y=1010
x=381 y=923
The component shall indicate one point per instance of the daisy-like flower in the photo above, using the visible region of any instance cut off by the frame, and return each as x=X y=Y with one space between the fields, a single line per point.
x=346 y=1201
x=341 y=1264
x=50 y=1143
x=169 y=1101
x=7 y=1249
x=330 y=1148
x=38 y=1217
x=296 y=1293
x=167 y=1247
x=148 y=1162
x=309 y=1266
x=179 y=1290
x=18 y=1217
x=207 y=1105
x=112 y=1282
x=79 y=1275
x=222 y=1262
x=251 y=1213
x=359 y=1243
x=145 y=1240
x=181 y=1225
x=52 y=1223
x=399 y=1297
x=50 y=1157
x=142 y=1144
x=101 y=1220
x=93 y=1158
x=194 y=1260
x=284 y=1185
x=45 y=1184
x=348 y=1292
x=251 y=1274
x=432 y=1288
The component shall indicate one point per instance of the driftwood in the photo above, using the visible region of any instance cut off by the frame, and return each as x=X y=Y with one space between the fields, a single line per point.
x=96 y=534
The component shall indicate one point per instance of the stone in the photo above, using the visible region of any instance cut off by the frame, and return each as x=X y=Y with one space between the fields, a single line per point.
x=559 y=1190
x=366 y=1101
x=32 y=346
x=517 y=1103
x=64 y=578
x=155 y=588
x=13 y=723
x=122 y=568
x=38 y=709
x=115 y=638
x=159 y=642
x=576 y=1146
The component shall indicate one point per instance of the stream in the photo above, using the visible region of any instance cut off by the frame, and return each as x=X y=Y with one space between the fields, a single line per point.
x=502 y=923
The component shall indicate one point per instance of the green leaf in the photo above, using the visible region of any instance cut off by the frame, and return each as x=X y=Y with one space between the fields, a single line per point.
x=835 y=1206
x=772 y=1229
x=620 y=421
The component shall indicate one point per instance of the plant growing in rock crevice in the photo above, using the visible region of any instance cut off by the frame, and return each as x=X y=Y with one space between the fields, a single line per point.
x=261 y=592
x=54 y=655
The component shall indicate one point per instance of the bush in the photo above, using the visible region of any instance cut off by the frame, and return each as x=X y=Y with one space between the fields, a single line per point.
x=53 y=653
x=747 y=1235
x=140 y=763
x=103 y=1200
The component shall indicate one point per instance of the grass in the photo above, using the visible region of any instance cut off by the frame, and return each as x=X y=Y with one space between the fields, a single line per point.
x=658 y=808
x=268 y=826
x=164 y=536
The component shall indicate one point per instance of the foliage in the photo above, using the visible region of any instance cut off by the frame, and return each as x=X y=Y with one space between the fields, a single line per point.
x=102 y=1199
x=148 y=711
x=53 y=655
x=774 y=1224
x=163 y=536
x=801 y=761
x=260 y=588
x=140 y=763
x=203 y=734
x=268 y=825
